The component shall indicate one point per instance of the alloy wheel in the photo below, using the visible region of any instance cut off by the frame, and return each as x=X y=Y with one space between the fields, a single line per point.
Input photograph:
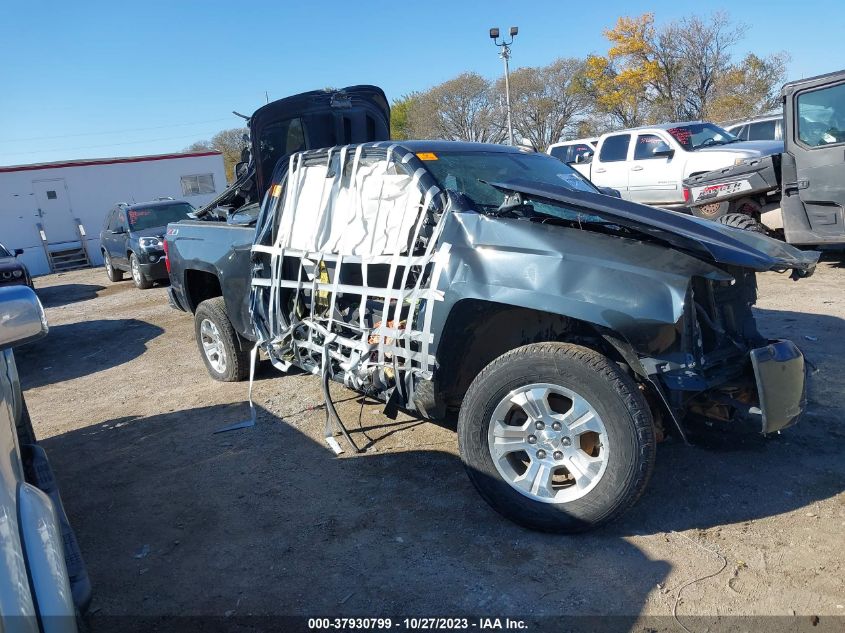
x=548 y=443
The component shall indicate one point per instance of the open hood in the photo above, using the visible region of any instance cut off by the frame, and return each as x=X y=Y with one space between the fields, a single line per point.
x=313 y=120
x=310 y=120
x=702 y=238
x=752 y=148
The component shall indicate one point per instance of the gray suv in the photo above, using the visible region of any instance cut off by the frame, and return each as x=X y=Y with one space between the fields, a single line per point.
x=42 y=574
x=762 y=128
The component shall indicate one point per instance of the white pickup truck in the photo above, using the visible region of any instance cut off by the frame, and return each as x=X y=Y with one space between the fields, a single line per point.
x=649 y=164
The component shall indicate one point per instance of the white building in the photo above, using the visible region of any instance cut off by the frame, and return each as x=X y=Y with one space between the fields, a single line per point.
x=60 y=207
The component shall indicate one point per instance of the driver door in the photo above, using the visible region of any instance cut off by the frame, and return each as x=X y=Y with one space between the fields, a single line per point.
x=817 y=145
x=120 y=240
x=654 y=177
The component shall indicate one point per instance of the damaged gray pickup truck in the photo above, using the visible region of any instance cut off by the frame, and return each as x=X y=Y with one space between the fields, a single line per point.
x=570 y=330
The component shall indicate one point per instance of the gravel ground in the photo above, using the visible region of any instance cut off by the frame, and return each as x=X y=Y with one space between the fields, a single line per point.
x=175 y=519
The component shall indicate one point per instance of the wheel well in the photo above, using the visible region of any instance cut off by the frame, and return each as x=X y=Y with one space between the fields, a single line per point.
x=477 y=332
x=199 y=286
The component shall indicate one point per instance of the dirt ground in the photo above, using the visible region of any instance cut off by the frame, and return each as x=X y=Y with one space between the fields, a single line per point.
x=175 y=519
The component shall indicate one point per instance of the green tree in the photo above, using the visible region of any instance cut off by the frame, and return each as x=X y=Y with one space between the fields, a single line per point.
x=229 y=143
x=749 y=88
x=399 y=126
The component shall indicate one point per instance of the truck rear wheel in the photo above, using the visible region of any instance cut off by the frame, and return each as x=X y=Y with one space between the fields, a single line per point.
x=218 y=342
x=556 y=437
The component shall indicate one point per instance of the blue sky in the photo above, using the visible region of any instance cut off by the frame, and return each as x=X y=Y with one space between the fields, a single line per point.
x=91 y=79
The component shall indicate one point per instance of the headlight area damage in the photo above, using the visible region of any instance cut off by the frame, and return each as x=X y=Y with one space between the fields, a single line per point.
x=369 y=271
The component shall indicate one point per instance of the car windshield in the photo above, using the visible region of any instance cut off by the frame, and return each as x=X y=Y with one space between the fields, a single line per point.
x=141 y=218
x=4 y=252
x=469 y=172
x=693 y=136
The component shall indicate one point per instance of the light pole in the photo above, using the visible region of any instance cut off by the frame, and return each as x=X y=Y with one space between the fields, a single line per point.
x=505 y=54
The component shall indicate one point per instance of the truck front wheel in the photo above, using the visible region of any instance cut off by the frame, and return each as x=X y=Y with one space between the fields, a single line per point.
x=218 y=342
x=556 y=437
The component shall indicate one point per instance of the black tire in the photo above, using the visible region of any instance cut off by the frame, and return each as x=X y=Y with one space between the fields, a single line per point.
x=235 y=360
x=142 y=282
x=113 y=273
x=742 y=221
x=615 y=398
x=746 y=206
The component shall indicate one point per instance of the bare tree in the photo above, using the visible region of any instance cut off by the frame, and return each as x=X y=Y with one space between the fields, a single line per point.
x=545 y=103
x=705 y=55
x=461 y=109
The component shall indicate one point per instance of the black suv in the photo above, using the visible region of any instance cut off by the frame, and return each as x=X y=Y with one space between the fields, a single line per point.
x=131 y=239
x=13 y=271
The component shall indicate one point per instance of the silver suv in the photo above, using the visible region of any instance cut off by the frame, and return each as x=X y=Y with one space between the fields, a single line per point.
x=42 y=575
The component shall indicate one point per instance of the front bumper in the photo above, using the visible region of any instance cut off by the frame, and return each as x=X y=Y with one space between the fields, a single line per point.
x=155 y=270
x=16 y=281
x=779 y=372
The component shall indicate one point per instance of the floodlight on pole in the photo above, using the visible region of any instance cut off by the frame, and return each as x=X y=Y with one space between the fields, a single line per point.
x=505 y=54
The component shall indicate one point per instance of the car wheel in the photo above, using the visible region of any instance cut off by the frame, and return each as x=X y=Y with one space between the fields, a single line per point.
x=218 y=343
x=138 y=276
x=742 y=221
x=113 y=273
x=556 y=437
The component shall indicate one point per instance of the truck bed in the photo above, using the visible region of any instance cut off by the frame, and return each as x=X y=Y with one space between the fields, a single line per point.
x=754 y=178
x=211 y=258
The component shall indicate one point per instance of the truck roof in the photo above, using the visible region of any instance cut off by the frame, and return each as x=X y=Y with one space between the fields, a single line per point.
x=656 y=126
x=805 y=80
x=456 y=146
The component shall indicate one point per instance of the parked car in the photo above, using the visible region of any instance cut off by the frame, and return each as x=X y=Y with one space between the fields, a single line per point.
x=648 y=164
x=43 y=581
x=577 y=151
x=132 y=239
x=568 y=329
x=762 y=128
x=12 y=271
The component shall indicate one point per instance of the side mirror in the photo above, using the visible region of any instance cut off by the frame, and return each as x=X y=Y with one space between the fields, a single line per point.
x=118 y=230
x=664 y=153
x=18 y=252
x=22 y=317
x=240 y=168
x=610 y=191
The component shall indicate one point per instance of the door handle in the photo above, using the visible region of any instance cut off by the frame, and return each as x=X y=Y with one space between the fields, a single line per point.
x=637 y=168
x=600 y=170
